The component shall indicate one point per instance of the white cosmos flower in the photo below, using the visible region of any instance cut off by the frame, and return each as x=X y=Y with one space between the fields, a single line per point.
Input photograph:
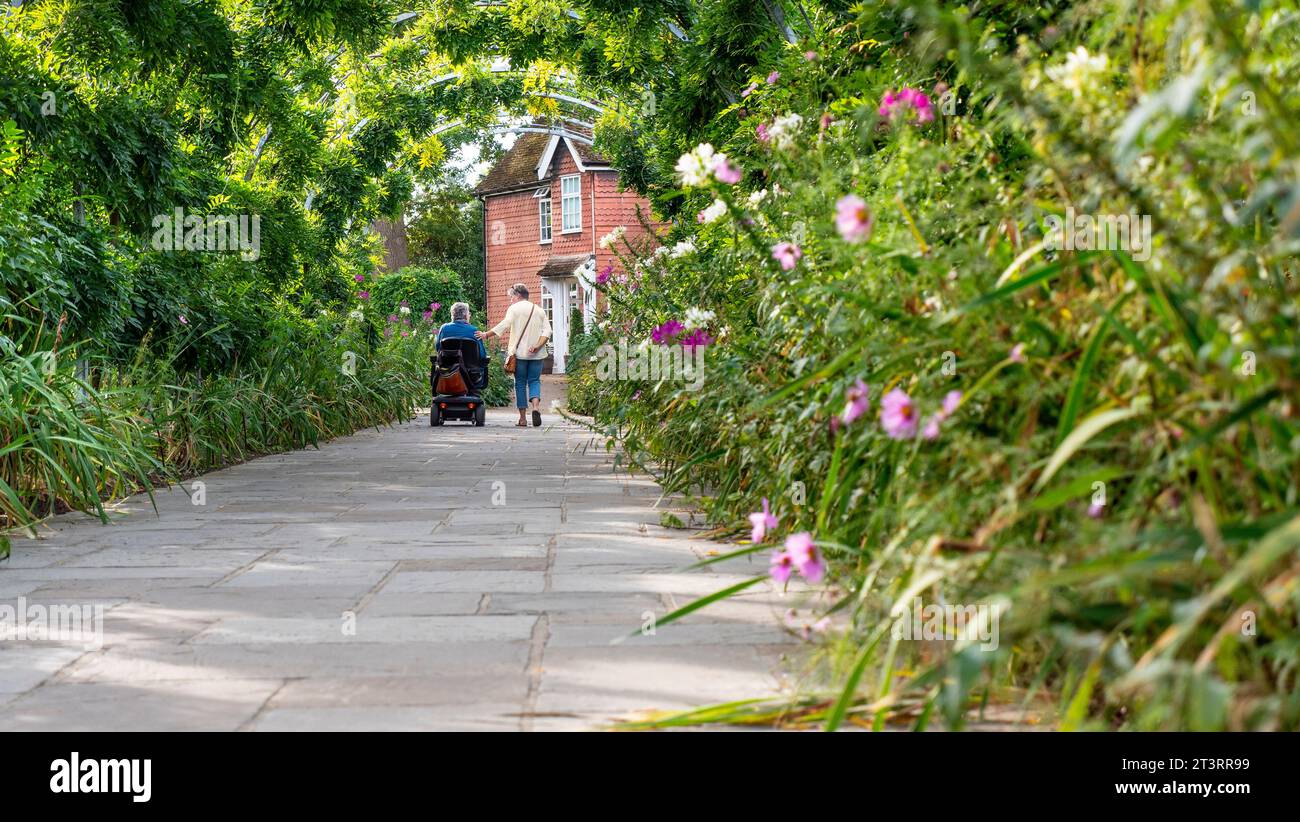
x=697 y=318
x=756 y=198
x=695 y=167
x=1080 y=71
x=613 y=237
x=713 y=212
x=404 y=310
x=783 y=131
x=682 y=249
x=356 y=315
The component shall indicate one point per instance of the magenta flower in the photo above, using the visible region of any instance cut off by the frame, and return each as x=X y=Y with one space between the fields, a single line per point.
x=428 y=315
x=810 y=56
x=931 y=429
x=908 y=104
x=403 y=303
x=725 y=171
x=761 y=520
x=773 y=77
x=698 y=337
x=363 y=295
x=804 y=555
x=1017 y=353
x=183 y=319
x=761 y=133
x=857 y=403
x=898 y=415
x=750 y=89
x=782 y=566
x=392 y=318
x=604 y=274
x=853 y=218
x=360 y=278
x=665 y=333
x=950 y=402
x=434 y=306
x=787 y=254
x=1097 y=510
x=932 y=425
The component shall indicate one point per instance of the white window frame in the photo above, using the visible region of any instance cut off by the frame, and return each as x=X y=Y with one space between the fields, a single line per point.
x=545 y=215
x=571 y=200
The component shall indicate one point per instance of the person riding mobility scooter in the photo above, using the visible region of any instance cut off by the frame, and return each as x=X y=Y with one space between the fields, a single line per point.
x=458 y=376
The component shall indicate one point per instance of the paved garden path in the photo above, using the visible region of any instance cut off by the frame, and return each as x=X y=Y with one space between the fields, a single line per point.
x=374 y=584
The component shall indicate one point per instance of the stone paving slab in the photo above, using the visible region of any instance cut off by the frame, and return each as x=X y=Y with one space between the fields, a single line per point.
x=412 y=578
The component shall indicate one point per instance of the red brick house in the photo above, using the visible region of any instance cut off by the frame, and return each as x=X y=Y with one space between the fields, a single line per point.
x=546 y=205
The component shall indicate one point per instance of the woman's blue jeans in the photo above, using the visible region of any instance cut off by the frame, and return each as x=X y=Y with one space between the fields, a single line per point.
x=528 y=381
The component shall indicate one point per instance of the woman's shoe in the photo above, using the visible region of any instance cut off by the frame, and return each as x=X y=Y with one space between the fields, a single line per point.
x=537 y=419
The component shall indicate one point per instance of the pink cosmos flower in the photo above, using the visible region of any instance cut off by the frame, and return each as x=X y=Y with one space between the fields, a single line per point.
x=363 y=295
x=810 y=56
x=950 y=402
x=604 y=274
x=857 y=404
x=761 y=133
x=761 y=520
x=787 y=254
x=782 y=566
x=725 y=171
x=898 y=415
x=773 y=77
x=698 y=337
x=803 y=553
x=908 y=104
x=428 y=315
x=434 y=306
x=931 y=429
x=853 y=218
x=183 y=319
x=1096 y=510
x=750 y=89
x=360 y=278
x=1018 y=353
x=392 y=318
x=665 y=333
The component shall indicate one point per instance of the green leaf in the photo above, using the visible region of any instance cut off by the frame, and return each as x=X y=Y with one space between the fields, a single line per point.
x=697 y=605
x=1087 y=429
x=1080 y=382
x=1038 y=275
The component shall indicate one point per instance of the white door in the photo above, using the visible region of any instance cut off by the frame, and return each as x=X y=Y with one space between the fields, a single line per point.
x=556 y=301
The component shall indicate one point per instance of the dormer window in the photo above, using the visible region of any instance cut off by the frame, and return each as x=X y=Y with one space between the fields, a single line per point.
x=543 y=197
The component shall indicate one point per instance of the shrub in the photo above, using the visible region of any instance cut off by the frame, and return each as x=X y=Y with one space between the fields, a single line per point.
x=419 y=288
x=959 y=407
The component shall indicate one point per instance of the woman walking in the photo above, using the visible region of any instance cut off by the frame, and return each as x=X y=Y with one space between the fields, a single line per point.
x=528 y=330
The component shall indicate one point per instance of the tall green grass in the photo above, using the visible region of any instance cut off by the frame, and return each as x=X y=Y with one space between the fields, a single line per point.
x=72 y=444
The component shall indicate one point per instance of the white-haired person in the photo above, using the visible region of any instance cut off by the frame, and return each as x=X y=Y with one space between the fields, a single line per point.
x=527 y=328
x=460 y=328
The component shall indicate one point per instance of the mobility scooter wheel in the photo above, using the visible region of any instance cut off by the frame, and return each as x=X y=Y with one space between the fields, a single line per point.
x=435 y=416
x=480 y=416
